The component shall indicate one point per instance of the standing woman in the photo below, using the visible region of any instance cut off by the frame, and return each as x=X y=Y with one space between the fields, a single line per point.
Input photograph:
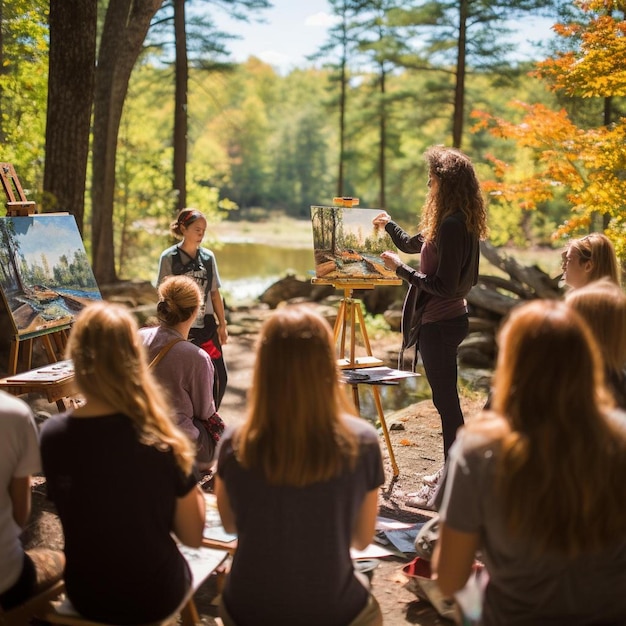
x=189 y=258
x=537 y=486
x=298 y=482
x=183 y=368
x=122 y=478
x=435 y=314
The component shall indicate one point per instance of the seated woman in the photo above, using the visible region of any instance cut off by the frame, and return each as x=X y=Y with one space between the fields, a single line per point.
x=589 y=258
x=184 y=369
x=121 y=475
x=22 y=574
x=298 y=482
x=538 y=484
x=602 y=304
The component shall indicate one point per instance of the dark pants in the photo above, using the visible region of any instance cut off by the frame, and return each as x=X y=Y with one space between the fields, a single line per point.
x=207 y=339
x=438 y=346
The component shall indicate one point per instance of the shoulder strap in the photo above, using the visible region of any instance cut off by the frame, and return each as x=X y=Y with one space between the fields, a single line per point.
x=208 y=265
x=163 y=351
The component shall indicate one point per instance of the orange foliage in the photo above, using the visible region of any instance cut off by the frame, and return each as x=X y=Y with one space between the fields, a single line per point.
x=589 y=164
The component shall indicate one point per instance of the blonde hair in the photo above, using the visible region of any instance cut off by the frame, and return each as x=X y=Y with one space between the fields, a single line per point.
x=110 y=365
x=185 y=218
x=457 y=189
x=597 y=248
x=179 y=299
x=563 y=455
x=294 y=432
x=602 y=304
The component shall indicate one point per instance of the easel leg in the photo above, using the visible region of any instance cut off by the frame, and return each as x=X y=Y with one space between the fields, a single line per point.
x=189 y=614
x=49 y=348
x=352 y=306
x=355 y=398
x=366 y=339
x=13 y=357
x=340 y=327
x=383 y=423
x=28 y=344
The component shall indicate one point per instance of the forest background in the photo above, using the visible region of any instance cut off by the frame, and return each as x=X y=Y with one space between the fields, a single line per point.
x=123 y=112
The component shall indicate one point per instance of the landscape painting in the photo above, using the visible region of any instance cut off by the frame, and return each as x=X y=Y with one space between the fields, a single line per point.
x=45 y=277
x=348 y=246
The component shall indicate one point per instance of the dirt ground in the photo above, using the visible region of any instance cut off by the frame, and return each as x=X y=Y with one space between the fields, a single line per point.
x=415 y=433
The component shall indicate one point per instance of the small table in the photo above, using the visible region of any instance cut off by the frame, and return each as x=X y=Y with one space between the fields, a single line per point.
x=376 y=376
x=55 y=381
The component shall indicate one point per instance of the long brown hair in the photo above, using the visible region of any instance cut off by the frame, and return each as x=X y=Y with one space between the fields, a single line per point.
x=602 y=304
x=563 y=460
x=456 y=189
x=110 y=365
x=294 y=433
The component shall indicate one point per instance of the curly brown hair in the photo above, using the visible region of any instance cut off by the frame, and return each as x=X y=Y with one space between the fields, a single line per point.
x=453 y=186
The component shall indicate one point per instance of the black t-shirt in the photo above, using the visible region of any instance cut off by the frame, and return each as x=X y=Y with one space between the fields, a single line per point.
x=116 y=498
x=292 y=564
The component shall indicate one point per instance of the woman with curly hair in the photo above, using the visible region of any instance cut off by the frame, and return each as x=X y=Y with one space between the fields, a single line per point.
x=537 y=485
x=122 y=477
x=435 y=314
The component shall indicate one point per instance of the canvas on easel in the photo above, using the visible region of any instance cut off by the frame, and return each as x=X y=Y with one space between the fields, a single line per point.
x=45 y=276
x=347 y=246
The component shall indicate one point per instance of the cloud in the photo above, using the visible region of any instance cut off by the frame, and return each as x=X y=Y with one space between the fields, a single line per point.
x=321 y=19
x=271 y=57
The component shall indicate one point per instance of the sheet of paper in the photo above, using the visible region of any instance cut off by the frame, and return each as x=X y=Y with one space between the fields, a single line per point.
x=213 y=528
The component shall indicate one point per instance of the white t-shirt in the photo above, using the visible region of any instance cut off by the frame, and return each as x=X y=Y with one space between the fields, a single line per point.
x=19 y=457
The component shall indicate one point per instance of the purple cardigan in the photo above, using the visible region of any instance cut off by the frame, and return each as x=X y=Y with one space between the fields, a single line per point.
x=186 y=372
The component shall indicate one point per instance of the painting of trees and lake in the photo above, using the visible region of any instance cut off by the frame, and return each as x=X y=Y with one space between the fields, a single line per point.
x=45 y=276
x=348 y=246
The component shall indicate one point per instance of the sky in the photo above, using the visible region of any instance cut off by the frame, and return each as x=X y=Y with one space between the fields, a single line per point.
x=293 y=29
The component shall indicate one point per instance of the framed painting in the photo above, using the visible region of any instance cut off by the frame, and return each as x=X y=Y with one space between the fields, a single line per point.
x=347 y=246
x=45 y=277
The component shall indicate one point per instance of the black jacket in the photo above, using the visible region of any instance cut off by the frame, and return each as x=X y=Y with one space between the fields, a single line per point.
x=458 y=255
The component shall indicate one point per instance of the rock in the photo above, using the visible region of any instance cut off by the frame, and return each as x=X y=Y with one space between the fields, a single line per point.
x=291 y=287
x=393 y=317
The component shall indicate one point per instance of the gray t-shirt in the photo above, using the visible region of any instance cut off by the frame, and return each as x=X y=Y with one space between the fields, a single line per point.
x=293 y=564
x=202 y=269
x=526 y=590
x=19 y=458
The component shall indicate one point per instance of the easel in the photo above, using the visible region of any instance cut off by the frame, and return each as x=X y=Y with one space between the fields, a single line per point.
x=350 y=314
x=54 y=341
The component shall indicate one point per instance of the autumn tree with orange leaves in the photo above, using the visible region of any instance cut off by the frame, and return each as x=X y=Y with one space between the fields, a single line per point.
x=585 y=164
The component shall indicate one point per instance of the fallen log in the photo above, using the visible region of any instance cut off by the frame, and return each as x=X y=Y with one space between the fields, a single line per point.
x=542 y=285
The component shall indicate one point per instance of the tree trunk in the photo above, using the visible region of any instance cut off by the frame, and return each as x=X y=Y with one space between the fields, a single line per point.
x=71 y=75
x=459 y=88
x=342 y=121
x=2 y=69
x=125 y=28
x=382 y=129
x=180 y=110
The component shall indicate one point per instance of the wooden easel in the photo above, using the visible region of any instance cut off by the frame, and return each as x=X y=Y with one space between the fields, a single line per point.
x=350 y=314
x=17 y=204
x=55 y=341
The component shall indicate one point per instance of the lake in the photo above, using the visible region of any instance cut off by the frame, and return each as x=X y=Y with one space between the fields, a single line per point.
x=248 y=269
